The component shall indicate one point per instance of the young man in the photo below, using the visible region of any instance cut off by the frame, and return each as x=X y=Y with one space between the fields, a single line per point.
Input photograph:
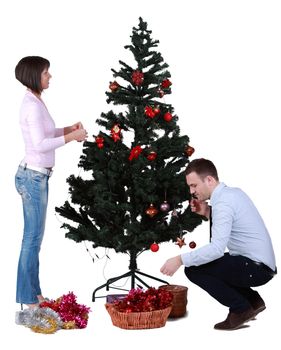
x=236 y=225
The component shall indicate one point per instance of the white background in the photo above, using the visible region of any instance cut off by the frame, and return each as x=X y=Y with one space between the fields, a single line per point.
x=224 y=58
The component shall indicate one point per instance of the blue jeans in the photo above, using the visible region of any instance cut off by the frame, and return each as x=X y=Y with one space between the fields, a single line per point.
x=33 y=188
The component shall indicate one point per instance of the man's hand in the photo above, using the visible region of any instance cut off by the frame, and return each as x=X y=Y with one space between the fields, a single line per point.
x=171 y=266
x=200 y=207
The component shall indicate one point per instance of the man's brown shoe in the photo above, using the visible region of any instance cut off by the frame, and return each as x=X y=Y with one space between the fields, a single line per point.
x=258 y=305
x=236 y=320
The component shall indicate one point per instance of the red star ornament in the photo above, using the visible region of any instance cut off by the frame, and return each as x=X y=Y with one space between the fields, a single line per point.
x=135 y=152
x=180 y=242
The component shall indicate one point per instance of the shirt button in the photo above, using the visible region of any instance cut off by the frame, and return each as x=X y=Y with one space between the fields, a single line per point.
x=251 y=275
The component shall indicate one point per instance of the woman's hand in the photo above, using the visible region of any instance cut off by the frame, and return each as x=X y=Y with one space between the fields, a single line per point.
x=76 y=135
x=75 y=132
x=79 y=135
x=76 y=126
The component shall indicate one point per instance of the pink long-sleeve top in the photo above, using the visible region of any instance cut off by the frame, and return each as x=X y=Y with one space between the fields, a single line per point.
x=41 y=137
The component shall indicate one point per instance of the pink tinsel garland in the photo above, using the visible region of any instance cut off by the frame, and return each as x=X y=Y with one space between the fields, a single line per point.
x=69 y=310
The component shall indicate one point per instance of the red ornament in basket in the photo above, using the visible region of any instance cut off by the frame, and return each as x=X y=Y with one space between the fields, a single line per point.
x=141 y=309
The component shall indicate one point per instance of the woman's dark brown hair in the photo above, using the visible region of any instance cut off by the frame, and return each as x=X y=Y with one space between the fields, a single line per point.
x=28 y=72
x=202 y=167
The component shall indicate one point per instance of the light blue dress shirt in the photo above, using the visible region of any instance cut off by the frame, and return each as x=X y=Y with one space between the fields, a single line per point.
x=237 y=227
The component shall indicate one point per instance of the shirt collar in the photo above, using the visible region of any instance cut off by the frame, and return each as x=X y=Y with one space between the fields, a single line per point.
x=215 y=194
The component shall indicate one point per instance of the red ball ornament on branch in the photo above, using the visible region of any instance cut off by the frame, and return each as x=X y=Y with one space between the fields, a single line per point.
x=114 y=86
x=100 y=141
x=137 y=77
x=154 y=247
x=192 y=245
x=156 y=110
x=166 y=83
x=149 y=112
x=151 y=156
x=168 y=117
x=189 y=151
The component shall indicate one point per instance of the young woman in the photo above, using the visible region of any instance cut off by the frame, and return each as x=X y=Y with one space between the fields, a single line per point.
x=41 y=139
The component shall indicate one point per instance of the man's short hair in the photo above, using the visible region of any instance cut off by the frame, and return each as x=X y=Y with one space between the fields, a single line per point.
x=202 y=167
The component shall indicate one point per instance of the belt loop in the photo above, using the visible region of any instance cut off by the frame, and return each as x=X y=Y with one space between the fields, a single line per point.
x=25 y=164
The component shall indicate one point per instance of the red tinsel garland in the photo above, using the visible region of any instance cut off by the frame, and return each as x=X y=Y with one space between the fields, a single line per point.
x=143 y=301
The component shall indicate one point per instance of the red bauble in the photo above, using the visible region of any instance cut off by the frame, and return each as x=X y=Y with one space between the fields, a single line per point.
x=166 y=84
x=100 y=141
x=149 y=112
x=168 y=117
x=151 y=211
x=156 y=110
x=189 y=151
x=192 y=245
x=137 y=77
x=151 y=156
x=154 y=247
x=113 y=86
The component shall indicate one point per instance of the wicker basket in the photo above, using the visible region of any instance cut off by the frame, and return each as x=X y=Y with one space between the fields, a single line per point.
x=179 y=299
x=138 y=320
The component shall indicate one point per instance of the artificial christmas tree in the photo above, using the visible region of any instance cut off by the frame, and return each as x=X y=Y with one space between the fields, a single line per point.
x=134 y=198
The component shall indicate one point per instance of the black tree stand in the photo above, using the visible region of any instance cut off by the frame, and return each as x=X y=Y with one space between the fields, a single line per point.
x=133 y=272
